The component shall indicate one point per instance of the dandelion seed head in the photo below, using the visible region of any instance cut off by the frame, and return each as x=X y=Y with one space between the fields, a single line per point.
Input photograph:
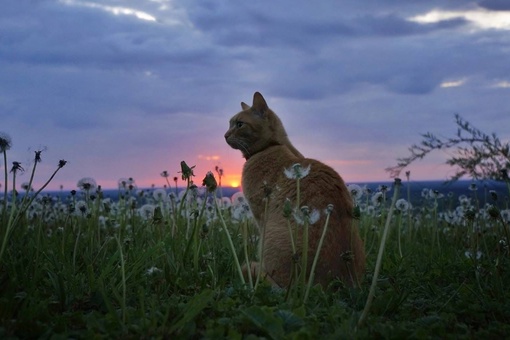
x=238 y=198
x=402 y=205
x=356 y=191
x=26 y=186
x=146 y=211
x=383 y=188
x=153 y=271
x=306 y=215
x=296 y=171
x=159 y=195
x=377 y=198
x=505 y=215
x=470 y=255
x=126 y=184
x=87 y=184
x=5 y=142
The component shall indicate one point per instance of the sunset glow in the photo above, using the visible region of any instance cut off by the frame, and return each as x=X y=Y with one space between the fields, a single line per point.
x=129 y=89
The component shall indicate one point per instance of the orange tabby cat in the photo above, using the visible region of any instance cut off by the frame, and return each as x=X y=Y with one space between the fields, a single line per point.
x=259 y=134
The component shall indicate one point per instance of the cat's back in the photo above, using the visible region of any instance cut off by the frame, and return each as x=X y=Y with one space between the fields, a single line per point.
x=274 y=172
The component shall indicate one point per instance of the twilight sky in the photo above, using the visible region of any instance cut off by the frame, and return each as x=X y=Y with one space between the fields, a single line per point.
x=131 y=88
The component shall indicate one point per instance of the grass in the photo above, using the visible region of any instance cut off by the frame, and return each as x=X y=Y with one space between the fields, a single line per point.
x=163 y=265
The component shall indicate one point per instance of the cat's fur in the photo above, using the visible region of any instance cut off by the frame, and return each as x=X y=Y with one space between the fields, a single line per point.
x=259 y=134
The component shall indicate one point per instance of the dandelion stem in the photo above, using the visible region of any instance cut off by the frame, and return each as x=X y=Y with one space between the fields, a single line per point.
x=245 y=249
x=13 y=220
x=378 y=263
x=262 y=245
x=123 y=272
x=399 y=226
x=4 y=211
x=230 y=243
x=316 y=257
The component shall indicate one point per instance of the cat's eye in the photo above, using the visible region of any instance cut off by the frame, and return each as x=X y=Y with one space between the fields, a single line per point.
x=239 y=124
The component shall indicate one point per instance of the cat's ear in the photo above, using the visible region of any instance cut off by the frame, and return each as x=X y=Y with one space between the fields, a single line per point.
x=259 y=103
x=244 y=106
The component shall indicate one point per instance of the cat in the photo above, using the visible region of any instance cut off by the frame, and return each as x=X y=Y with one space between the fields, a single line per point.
x=260 y=136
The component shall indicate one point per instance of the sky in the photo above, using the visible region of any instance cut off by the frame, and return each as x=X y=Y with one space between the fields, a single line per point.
x=124 y=89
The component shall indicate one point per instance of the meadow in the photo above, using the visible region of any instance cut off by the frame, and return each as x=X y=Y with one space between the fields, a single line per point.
x=165 y=263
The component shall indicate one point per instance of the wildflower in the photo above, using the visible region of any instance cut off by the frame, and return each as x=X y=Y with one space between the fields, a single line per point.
x=377 y=198
x=384 y=188
x=225 y=202
x=165 y=174
x=26 y=186
x=87 y=184
x=469 y=254
x=503 y=245
x=102 y=220
x=494 y=195
x=5 y=142
x=329 y=208
x=473 y=187
x=16 y=166
x=219 y=171
x=210 y=182
x=146 y=212
x=305 y=215
x=267 y=189
x=435 y=194
x=152 y=271
x=62 y=163
x=37 y=158
x=159 y=195
x=297 y=171
x=356 y=191
x=464 y=201
x=186 y=171
x=240 y=212
x=493 y=211
x=81 y=208
x=470 y=214
x=449 y=217
x=505 y=215
x=127 y=184
x=402 y=205
x=238 y=198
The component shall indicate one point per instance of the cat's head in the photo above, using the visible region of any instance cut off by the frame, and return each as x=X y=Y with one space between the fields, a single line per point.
x=255 y=128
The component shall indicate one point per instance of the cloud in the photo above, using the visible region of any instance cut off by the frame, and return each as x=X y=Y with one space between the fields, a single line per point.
x=495 y=5
x=351 y=81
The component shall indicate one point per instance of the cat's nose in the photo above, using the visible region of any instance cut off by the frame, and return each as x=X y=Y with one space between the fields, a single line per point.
x=227 y=134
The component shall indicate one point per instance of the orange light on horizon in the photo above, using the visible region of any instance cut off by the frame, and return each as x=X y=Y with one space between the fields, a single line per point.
x=232 y=180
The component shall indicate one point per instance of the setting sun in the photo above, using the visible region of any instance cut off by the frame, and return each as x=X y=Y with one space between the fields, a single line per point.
x=233 y=180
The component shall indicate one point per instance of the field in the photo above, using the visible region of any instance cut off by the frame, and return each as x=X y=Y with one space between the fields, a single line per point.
x=164 y=263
